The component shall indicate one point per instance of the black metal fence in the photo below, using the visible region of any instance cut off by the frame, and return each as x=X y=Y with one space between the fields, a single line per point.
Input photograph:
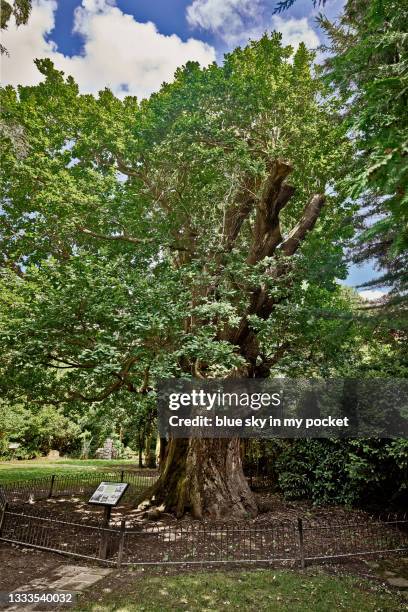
x=64 y=485
x=212 y=543
x=3 y=508
x=260 y=482
x=296 y=541
x=185 y=542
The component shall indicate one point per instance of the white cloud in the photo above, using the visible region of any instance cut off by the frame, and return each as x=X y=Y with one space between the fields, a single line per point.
x=27 y=43
x=118 y=52
x=226 y=18
x=372 y=294
x=295 y=31
x=237 y=21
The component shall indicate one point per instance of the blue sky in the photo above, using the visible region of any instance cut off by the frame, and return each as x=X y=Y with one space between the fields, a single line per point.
x=170 y=18
x=134 y=45
x=168 y=15
x=80 y=35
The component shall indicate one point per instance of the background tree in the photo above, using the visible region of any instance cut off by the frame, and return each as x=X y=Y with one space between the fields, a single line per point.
x=284 y=5
x=19 y=9
x=37 y=430
x=365 y=472
x=369 y=66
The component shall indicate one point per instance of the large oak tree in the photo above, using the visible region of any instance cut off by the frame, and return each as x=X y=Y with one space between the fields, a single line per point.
x=189 y=234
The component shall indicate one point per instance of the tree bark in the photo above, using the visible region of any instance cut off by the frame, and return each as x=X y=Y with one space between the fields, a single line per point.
x=161 y=459
x=204 y=477
x=150 y=457
x=141 y=444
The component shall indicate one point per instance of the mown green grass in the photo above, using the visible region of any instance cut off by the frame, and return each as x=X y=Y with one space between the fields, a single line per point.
x=268 y=590
x=11 y=471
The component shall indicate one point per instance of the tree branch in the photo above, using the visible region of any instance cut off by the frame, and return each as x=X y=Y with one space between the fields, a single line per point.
x=310 y=215
x=234 y=218
x=145 y=384
x=124 y=169
x=97 y=398
x=120 y=237
x=275 y=195
x=14 y=267
x=68 y=364
x=260 y=303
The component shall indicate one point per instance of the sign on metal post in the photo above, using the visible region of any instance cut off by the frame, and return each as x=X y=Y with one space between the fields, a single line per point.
x=108 y=493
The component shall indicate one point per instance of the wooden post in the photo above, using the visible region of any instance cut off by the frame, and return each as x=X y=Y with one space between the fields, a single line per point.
x=301 y=545
x=103 y=547
x=51 y=486
x=121 y=541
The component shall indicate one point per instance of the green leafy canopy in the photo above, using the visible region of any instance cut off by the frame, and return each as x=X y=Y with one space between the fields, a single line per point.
x=142 y=239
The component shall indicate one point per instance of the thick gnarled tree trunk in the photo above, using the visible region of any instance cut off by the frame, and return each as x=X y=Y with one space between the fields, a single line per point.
x=204 y=477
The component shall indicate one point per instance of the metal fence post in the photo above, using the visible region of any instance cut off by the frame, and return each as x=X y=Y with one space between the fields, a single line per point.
x=121 y=541
x=105 y=533
x=121 y=476
x=3 y=514
x=51 y=486
x=301 y=545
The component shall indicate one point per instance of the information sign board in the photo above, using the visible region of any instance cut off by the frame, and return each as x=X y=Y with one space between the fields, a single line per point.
x=108 y=493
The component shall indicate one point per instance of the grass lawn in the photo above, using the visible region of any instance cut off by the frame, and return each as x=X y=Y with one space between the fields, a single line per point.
x=269 y=590
x=24 y=470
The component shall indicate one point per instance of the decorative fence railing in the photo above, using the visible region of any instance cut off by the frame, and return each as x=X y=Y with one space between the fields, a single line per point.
x=62 y=485
x=202 y=543
x=260 y=482
x=209 y=543
x=297 y=541
x=3 y=500
x=82 y=534
x=3 y=508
